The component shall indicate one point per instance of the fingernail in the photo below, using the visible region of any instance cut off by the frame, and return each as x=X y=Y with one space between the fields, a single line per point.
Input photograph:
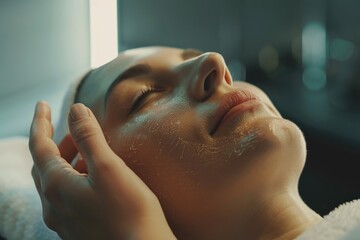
x=38 y=105
x=78 y=111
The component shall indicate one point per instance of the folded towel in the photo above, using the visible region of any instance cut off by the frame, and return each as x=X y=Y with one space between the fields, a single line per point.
x=341 y=223
x=20 y=205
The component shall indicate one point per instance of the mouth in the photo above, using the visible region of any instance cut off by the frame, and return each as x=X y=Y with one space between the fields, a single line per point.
x=231 y=104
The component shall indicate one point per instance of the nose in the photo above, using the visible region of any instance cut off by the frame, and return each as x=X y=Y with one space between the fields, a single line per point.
x=207 y=73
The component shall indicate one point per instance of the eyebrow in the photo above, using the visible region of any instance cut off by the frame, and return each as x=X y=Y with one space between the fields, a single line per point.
x=142 y=69
x=131 y=72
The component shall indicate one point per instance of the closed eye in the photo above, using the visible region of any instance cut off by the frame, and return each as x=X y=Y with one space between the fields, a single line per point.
x=141 y=96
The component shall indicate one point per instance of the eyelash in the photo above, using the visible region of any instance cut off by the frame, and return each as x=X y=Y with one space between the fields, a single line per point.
x=141 y=96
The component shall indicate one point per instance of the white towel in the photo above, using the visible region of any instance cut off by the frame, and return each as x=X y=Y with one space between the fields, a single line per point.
x=341 y=223
x=20 y=205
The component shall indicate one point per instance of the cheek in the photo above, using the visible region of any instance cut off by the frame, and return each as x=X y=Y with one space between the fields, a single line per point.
x=158 y=158
x=164 y=150
x=155 y=143
x=143 y=142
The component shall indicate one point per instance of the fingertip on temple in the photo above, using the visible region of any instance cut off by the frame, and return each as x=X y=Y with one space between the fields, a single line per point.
x=79 y=111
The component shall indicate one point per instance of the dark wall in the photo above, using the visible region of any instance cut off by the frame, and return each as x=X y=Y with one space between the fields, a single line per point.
x=234 y=28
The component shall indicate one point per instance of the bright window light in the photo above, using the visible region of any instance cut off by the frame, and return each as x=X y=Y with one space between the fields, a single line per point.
x=103 y=31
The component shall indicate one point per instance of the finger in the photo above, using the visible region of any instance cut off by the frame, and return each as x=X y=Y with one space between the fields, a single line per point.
x=67 y=148
x=55 y=174
x=41 y=145
x=42 y=113
x=90 y=139
x=103 y=165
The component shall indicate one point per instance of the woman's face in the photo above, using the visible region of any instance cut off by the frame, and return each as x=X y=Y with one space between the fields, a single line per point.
x=200 y=141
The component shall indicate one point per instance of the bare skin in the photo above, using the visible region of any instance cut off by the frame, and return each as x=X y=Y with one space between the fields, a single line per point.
x=232 y=177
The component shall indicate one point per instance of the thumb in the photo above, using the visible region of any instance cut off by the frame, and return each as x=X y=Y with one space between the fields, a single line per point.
x=90 y=140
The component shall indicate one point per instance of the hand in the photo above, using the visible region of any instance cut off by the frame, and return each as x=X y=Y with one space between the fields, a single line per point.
x=109 y=202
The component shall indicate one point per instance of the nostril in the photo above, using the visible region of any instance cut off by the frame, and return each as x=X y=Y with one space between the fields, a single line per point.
x=209 y=80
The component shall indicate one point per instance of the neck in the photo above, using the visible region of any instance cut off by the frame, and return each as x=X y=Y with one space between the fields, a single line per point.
x=281 y=216
x=284 y=216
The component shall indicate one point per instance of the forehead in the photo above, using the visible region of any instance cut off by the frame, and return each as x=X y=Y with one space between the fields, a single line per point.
x=94 y=87
x=154 y=56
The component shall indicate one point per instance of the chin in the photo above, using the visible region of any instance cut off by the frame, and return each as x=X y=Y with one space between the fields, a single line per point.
x=269 y=136
x=289 y=136
x=288 y=148
x=273 y=160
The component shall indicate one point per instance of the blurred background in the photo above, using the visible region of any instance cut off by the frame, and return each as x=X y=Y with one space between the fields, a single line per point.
x=304 y=54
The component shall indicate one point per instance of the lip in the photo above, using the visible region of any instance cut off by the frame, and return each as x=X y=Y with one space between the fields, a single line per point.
x=230 y=104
